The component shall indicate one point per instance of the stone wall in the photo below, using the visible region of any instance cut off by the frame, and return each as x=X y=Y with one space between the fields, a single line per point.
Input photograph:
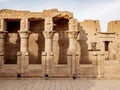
x=53 y=43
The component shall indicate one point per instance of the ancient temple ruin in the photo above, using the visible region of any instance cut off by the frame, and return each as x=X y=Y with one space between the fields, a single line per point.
x=56 y=44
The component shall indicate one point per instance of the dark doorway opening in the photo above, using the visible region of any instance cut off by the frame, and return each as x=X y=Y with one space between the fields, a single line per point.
x=61 y=37
x=36 y=40
x=12 y=43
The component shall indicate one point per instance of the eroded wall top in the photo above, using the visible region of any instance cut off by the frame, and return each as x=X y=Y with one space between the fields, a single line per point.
x=114 y=26
x=8 y=13
x=90 y=26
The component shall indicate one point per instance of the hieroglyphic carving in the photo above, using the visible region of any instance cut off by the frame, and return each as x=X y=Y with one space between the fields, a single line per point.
x=48 y=24
x=24 y=24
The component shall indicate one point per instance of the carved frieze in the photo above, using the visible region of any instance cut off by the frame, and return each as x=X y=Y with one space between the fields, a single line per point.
x=48 y=24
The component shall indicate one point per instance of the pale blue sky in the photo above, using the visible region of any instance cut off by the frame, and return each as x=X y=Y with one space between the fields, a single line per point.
x=102 y=10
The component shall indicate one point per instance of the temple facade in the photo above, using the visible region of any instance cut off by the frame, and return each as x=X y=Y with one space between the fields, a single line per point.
x=55 y=44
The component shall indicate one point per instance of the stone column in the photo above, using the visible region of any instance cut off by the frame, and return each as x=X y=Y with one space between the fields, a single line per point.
x=48 y=40
x=48 y=34
x=48 y=24
x=72 y=49
x=72 y=41
x=49 y=50
x=73 y=33
x=3 y=33
x=23 y=58
x=2 y=46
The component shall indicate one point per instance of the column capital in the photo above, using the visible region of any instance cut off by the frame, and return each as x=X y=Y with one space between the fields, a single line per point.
x=48 y=34
x=24 y=34
x=73 y=34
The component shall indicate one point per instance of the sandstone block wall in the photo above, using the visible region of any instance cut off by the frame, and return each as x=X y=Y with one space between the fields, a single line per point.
x=54 y=43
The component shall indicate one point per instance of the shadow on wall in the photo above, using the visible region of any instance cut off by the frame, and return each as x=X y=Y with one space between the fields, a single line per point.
x=63 y=47
x=12 y=46
x=41 y=46
x=36 y=41
x=60 y=27
x=12 y=42
x=36 y=48
x=84 y=57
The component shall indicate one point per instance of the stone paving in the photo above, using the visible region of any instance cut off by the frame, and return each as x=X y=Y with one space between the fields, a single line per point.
x=58 y=84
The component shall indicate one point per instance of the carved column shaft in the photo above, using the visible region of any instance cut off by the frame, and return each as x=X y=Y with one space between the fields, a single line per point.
x=48 y=49
x=23 y=58
x=2 y=40
x=2 y=25
x=72 y=41
x=100 y=71
x=23 y=54
x=24 y=34
x=73 y=33
x=48 y=40
x=2 y=44
x=2 y=34
x=48 y=34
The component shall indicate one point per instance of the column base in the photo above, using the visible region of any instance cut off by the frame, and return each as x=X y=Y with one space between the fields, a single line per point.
x=73 y=63
x=1 y=62
x=23 y=61
x=47 y=64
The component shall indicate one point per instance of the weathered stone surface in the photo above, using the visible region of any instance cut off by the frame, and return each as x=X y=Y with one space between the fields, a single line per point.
x=54 y=43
